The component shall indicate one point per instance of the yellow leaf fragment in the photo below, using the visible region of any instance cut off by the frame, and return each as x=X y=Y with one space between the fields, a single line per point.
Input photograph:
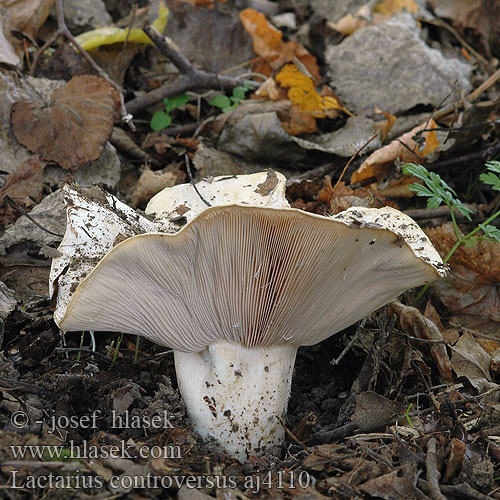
x=108 y=35
x=388 y=7
x=302 y=92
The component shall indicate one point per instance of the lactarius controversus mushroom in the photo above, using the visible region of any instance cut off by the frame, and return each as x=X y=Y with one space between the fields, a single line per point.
x=238 y=289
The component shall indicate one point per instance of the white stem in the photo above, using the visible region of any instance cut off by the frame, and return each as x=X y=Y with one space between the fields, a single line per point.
x=236 y=394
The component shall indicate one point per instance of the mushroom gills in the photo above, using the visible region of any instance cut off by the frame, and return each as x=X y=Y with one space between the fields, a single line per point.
x=237 y=395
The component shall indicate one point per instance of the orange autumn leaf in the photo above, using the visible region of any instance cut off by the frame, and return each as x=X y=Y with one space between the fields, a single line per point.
x=302 y=92
x=268 y=43
x=404 y=148
x=385 y=126
x=388 y=7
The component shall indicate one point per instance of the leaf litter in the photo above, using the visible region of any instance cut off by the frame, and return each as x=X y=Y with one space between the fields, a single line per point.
x=404 y=404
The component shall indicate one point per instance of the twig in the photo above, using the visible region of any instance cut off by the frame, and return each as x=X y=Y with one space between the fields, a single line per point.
x=22 y=211
x=486 y=153
x=62 y=29
x=433 y=474
x=191 y=180
x=352 y=159
x=338 y=433
x=15 y=385
x=472 y=96
x=443 y=211
x=441 y=24
x=292 y=435
x=462 y=490
x=191 y=79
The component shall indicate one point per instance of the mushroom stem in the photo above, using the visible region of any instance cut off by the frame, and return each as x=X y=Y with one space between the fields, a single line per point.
x=235 y=394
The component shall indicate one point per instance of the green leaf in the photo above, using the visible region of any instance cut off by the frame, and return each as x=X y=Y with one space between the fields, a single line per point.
x=160 y=120
x=234 y=105
x=239 y=93
x=463 y=210
x=176 y=102
x=220 y=101
x=493 y=166
x=435 y=188
x=490 y=231
x=434 y=202
x=491 y=179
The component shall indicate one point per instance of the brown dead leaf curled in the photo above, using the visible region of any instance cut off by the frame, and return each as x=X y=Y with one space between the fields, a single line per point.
x=74 y=127
x=472 y=287
x=24 y=186
x=411 y=146
x=455 y=459
x=385 y=126
x=469 y=359
x=373 y=411
x=477 y=16
x=413 y=322
x=393 y=486
x=27 y=16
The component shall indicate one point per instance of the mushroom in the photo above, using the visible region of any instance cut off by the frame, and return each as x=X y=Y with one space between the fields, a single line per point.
x=238 y=289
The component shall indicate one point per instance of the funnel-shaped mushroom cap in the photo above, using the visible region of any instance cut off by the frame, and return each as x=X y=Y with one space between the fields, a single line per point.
x=255 y=276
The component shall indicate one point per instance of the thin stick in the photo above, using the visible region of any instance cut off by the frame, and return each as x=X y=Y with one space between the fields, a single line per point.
x=22 y=211
x=191 y=78
x=352 y=159
x=433 y=474
x=191 y=180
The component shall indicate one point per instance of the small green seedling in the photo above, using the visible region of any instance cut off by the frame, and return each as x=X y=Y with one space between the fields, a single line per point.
x=226 y=103
x=161 y=119
x=438 y=192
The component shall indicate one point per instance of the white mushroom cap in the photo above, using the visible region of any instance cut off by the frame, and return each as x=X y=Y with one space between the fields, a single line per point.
x=265 y=189
x=255 y=276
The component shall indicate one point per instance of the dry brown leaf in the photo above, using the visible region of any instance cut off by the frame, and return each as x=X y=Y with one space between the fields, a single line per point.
x=382 y=11
x=479 y=16
x=385 y=126
x=7 y=53
x=296 y=122
x=24 y=186
x=413 y=322
x=469 y=359
x=27 y=15
x=455 y=459
x=374 y=411
x=472 y=287
x=74 y=127
x=269 y=89
x=393 y=486
x=342 y=197
x=150 y=183
x=348 y=24
x=404 y=148
x=268 y=43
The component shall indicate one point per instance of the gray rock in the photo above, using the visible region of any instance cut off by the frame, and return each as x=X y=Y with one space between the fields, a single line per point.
x=388 y=65
x=353 y=135
x=7 y=300
x=84 y=15
x=335 y=11
x=50 y=213
x=105 y=170
x=259 y=136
